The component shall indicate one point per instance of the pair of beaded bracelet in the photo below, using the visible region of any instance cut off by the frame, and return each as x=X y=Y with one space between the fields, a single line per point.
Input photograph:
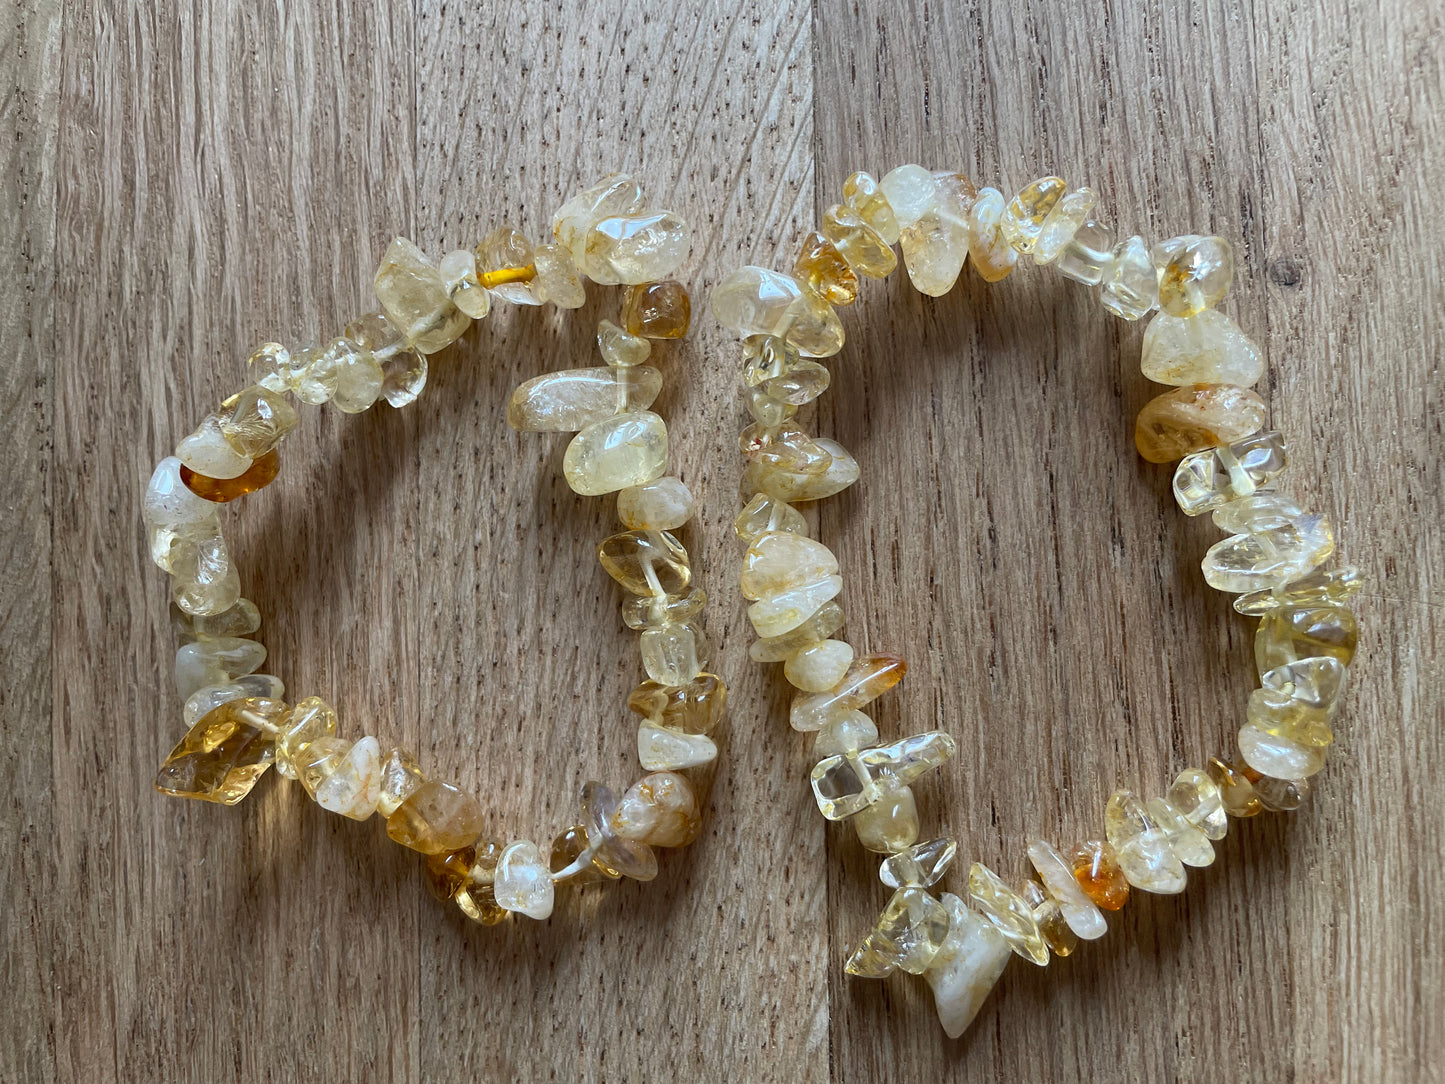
x=239 y=725
x=1211 y=423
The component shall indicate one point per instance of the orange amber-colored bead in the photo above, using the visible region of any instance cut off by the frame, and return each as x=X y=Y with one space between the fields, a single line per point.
x=258 y=475
x=823 y=270
x=445 y=873
x=503 y=275
x=1236 y=788
x=1099 y=874
x=657 y=310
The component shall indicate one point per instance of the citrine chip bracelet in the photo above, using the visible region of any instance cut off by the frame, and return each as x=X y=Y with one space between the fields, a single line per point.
x=1273 y=556
x=239 y=722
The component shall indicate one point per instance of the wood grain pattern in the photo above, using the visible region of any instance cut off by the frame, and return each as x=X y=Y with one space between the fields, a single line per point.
x=191 y=180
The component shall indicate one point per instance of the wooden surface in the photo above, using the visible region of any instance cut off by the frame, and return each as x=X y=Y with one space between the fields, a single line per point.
x=184 y=182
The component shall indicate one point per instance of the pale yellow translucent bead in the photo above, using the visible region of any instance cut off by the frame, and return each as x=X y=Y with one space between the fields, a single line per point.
x=242 y=619
x=786 y=610
x=310 y=719
x=846 y=733
x=1281 y=544
x=763 y=513
x=169 y=504
x=633 y=249
x=655 y=611
x=1008 y=912
x=781 y=561
x=1297 y=701
x=935 y=244
x=523 y=881
x=361 y=381
x=1186 y=839
x=756 y=301
x=206 y=451
x=1130 y=286
x=818 y=666
x=459 y=274
x=204 y=579
x=620 y=347
x=504 y=261
x=1290 y=633
x=255 y=420
x=1088 y=255
x=210 y=697
x=1194 y=273
x=1206 y=348
x=646 y=562
x=919 y=866
x=569 y=400
x=1277 y=755
x=1024 y=217
x=1321 y=585
x=794 y=486
x=558 y=279
x=416 y=300
x=864 y=195
x=907 y=935
x=373 y=338
x=868 y=678
x=890 y=823
x=674 y=654
x=625 y=450
x=661 y=748
x=909 y=191
x=401 y=777
x=663 y=504
x=827 y=620
x=966 y=967
x=1197 y=798
x=659 y=810
x=1141 y=847
x=354 y=786
x=1057 y=875
x=866 y=252
x=1211 y=478
x=616 y=195
x=1062 y=222
x=993 y=257
x=214 y=660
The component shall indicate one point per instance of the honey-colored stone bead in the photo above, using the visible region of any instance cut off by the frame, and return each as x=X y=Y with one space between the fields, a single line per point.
x=570 y=860
x=674 y=654
x=1185 y=838
x=447 y=872
x=866 y=252
x=695 y=708
x=1024 y=217
x=663 y=504
x=890 y=823
x=821 y=268
x=1281 y=795
x=795 y=486
x=825 y=621
x=1272 y=541
x=1194 y=273
x=659 y=810
x=1192 y=418
x=401 y=777
x=479 y=903
x=1098 y=874
x=1206 y=348
x=1198 y=800
x=569 y=400
x=864 y=195
x=919 y=866
x=646 y=562
x=615 y=855
x=993 y=257
x=224 y=753
x=628 y=449
x=784 y=447
x=818 y=666
x=255 y=420
x=1235 y=789
x=373 y=360
x=1062 y=941
x=204 y=579
x=436 y=817
x=415 y=298
x=523 y=882
x=621 y=348
x=505 y=266
x=907 y=936
x=260 y=474
x=867 y=679
x=1289 y=633
x=1062 y=223
x=657 y=310
x=935 y=244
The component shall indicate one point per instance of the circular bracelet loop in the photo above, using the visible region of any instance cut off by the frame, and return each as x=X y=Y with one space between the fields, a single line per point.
x=239 y=723
x=1209 y=422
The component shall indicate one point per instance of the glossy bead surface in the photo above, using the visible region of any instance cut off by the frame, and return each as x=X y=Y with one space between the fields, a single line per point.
x=616 y=195
x=401 y=777
x=620 y=347
x=636 y=248
x=864 y=196
x=504 y=266
x=646 y=562
x=436 y=817
x=695 y=708
x=261 y=473
x=1097 y=870
x=310 y=719
x=569 y=400
x=1289 y=633
x=890 y=822
x=935 y=243
x=1185 y=838
x=1141 y=846
x=783 y=611
x=1010 y=915
x=782 y=561
x=866 y=252
x=966 y=967
x=825 y=621
x=224 y=753
x=1208 y=479
x=867 y=679
x=1235 y=789
x=1024 y=217
x=558 y=281
x=628 y=449
x=1057 y=875
x=1207 y=348
x=353 y=787
x=657 y=310
x=1197 y=798
x=1195 y=417
x=674 y=654
x=207 y=452
x=659 y=810
x=1194 y=274
x=1271 y=542
x=1129 y=286
x=921 y=865
x=993 y=257
x=1062 y=223
x=415 y=298
x=1334 y=585
x=907 y=936
x=523 y=881
x=847 y=733
x=818 y=666
x=763 y=514
x=613 y=853
x=255 y=420
x=821 y=268
x=663 y=504
x=1088 y=255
